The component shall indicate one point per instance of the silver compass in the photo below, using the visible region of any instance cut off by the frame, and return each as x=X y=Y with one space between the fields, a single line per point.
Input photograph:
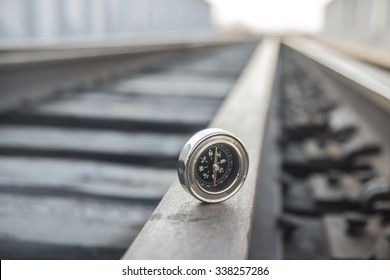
x=213 y=165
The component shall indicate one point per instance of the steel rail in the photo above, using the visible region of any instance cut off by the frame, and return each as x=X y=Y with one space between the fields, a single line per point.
x=376 y=81
x=183 y=228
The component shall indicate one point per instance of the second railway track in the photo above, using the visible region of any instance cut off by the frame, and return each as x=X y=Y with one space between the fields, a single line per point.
x=325 y=171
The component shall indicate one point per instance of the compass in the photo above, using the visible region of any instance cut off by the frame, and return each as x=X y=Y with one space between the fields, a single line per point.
x=213 y=165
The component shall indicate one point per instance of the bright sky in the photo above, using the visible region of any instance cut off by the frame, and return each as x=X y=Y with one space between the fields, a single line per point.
x=271 y=15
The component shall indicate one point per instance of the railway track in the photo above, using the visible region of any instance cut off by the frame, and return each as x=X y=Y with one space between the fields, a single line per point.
x=82 y=169
x=327 y=151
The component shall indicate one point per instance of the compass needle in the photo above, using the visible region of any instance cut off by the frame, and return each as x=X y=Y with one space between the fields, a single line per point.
x=213 y=165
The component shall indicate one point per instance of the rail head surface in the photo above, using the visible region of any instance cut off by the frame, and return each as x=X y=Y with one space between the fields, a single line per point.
x=378 y=55
x=375 y=81
x=183 y=228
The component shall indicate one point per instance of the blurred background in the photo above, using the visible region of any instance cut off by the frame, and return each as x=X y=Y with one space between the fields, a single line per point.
x=63 y=21
x=97 y=98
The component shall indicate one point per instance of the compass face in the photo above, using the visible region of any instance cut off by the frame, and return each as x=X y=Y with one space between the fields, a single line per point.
x=216 y=167
x=213 y=165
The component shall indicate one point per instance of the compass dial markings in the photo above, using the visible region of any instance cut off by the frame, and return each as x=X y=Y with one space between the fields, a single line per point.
x=216 y=167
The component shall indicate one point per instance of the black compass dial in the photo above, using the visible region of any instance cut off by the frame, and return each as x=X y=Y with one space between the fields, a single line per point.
x=217 y=167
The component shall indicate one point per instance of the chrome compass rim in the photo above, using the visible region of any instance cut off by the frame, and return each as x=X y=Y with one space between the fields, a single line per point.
x=191 y=151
